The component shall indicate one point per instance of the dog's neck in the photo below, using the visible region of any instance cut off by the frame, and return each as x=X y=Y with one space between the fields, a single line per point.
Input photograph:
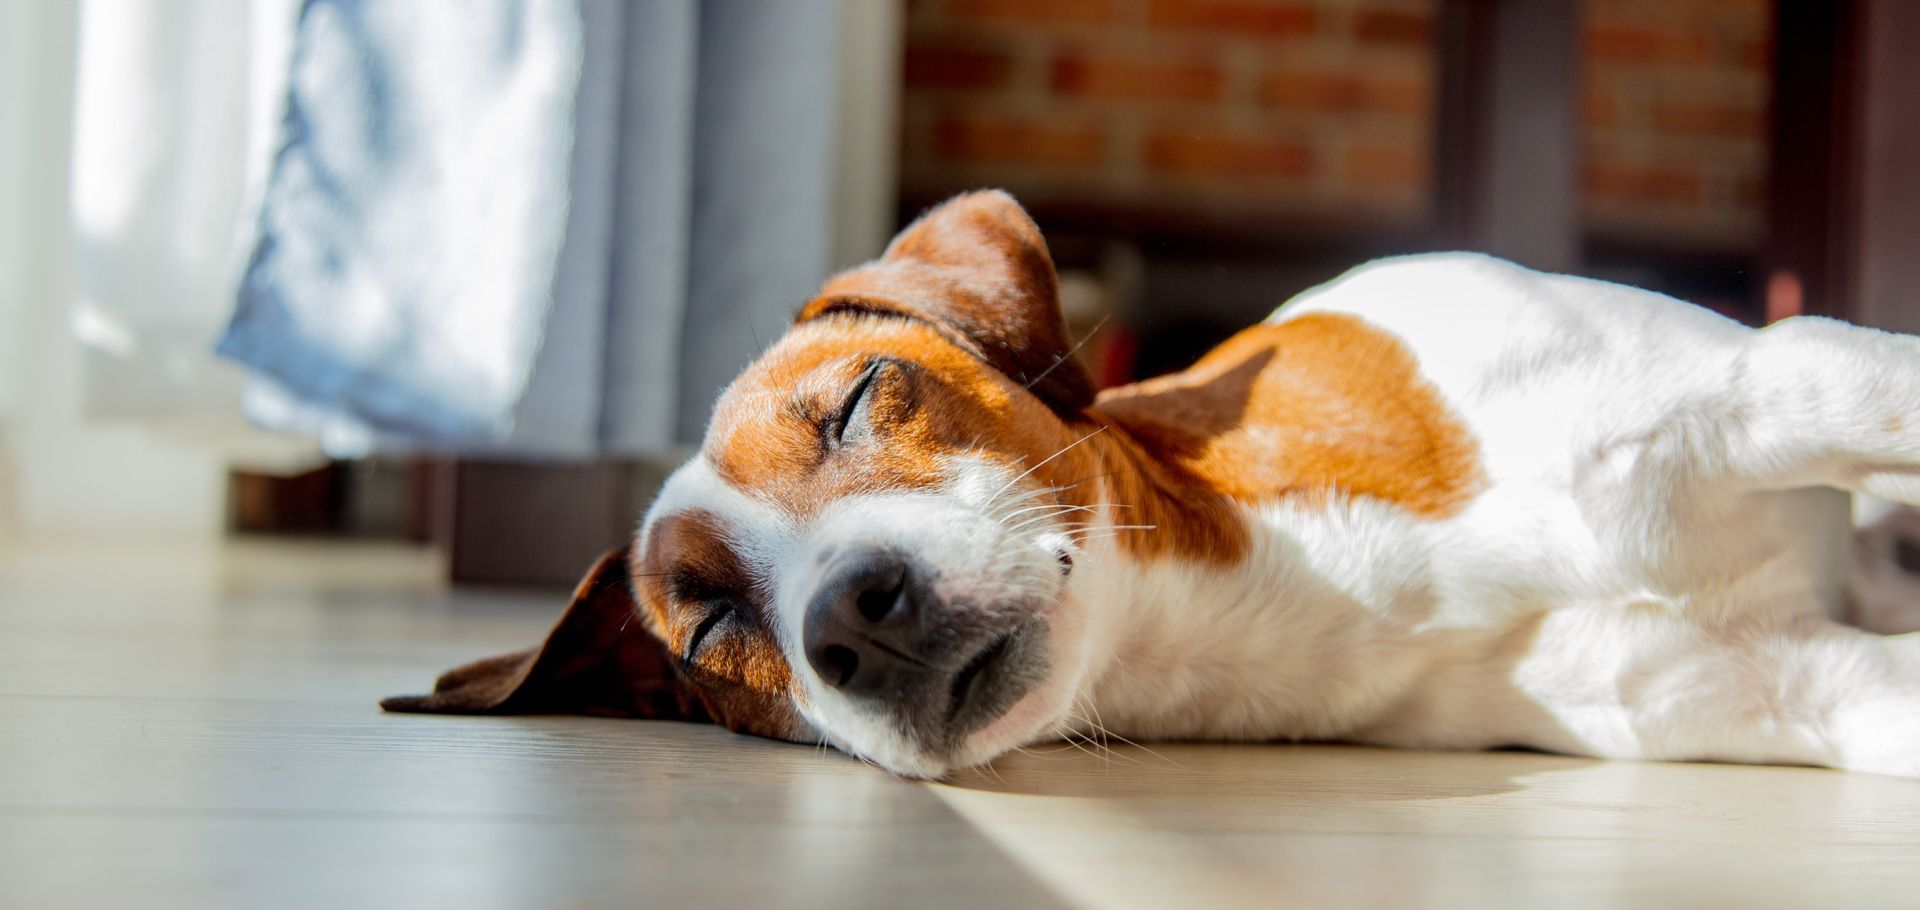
x=1173 y=608
x=1216 y=623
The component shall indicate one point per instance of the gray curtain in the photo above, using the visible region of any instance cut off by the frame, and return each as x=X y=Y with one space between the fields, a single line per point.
x=536 y=227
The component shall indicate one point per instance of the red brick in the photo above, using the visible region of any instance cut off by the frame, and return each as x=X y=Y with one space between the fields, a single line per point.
x=1710 y=120
x=1752 y=9
x=1209 y=154
x=1264 y=17
x=1335 y=81
x=1599 y=110
x=1373 y=167
x=953 y=67
x=1755 y=55
x=1648 y=45
x=1118 y=77
x=1086 y=12
x=1665 y=186
x=1342 y=92
x=1393 y=27
x=981 y=138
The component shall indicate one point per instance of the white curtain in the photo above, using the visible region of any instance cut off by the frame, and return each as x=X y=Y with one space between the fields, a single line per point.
x=125 y=137
x=548 y=228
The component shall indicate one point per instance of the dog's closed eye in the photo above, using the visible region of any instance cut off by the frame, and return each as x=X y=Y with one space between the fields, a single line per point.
x=717 y=614
x=853 y=422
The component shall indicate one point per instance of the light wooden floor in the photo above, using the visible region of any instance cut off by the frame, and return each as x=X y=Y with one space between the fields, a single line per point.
x=196 y=728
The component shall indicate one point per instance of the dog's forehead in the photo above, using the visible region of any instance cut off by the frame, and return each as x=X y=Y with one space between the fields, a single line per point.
x=768 y=436
x=815 y=360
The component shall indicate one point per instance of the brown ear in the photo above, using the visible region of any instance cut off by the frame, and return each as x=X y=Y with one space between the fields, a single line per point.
x=601 y=658
x=976 y=267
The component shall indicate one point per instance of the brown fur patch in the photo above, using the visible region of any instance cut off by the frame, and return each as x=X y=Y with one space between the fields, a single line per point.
x=1317 y=405
x=740 y=674
x=1184 y=516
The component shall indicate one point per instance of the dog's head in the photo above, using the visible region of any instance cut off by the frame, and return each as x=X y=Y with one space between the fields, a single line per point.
x=876 y=545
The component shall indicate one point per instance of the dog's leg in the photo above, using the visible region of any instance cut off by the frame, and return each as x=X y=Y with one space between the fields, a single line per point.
x=1664 y=687
x=1646 y=682
x=1825 y=403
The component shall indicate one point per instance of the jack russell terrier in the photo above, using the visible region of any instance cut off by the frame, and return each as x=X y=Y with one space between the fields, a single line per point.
x=1441 y=502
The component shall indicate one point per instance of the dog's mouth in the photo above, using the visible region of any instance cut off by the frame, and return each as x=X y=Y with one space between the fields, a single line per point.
x=994 y=679
x=976 y=676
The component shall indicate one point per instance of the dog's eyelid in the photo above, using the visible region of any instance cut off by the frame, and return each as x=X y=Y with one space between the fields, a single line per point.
x=854 y=408
x=717 y=613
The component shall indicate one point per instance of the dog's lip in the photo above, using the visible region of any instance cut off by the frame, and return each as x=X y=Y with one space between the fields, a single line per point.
x=994 y=679
x=975 y=676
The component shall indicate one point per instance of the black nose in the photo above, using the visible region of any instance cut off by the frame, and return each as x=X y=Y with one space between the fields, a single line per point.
x=864 y=626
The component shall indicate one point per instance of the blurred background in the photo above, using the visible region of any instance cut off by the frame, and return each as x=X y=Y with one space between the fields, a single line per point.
x=468 y=274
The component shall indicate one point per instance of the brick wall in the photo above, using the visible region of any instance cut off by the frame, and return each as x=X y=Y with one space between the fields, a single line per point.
x=1217 y=106
x=1315 y=108
x=1676 y=118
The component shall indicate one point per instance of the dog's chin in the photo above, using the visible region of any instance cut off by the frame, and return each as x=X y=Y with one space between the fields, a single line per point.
x=1038 y=713
x=1043 y=712
x=1038 y=716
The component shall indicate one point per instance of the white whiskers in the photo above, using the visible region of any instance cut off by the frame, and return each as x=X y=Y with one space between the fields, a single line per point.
x=1043 y=462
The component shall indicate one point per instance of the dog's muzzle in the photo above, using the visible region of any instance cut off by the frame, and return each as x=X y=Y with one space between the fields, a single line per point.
x=877 y=633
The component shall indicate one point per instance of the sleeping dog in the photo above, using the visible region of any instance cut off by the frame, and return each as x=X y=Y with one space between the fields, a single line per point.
x=1440 y=502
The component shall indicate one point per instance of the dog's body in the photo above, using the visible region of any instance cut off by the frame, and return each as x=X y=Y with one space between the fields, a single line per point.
x=1637 y=570
x=1440 y=502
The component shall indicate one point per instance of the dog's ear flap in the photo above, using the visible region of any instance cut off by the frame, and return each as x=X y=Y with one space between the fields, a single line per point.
x=977 y=268
x=601 y=658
